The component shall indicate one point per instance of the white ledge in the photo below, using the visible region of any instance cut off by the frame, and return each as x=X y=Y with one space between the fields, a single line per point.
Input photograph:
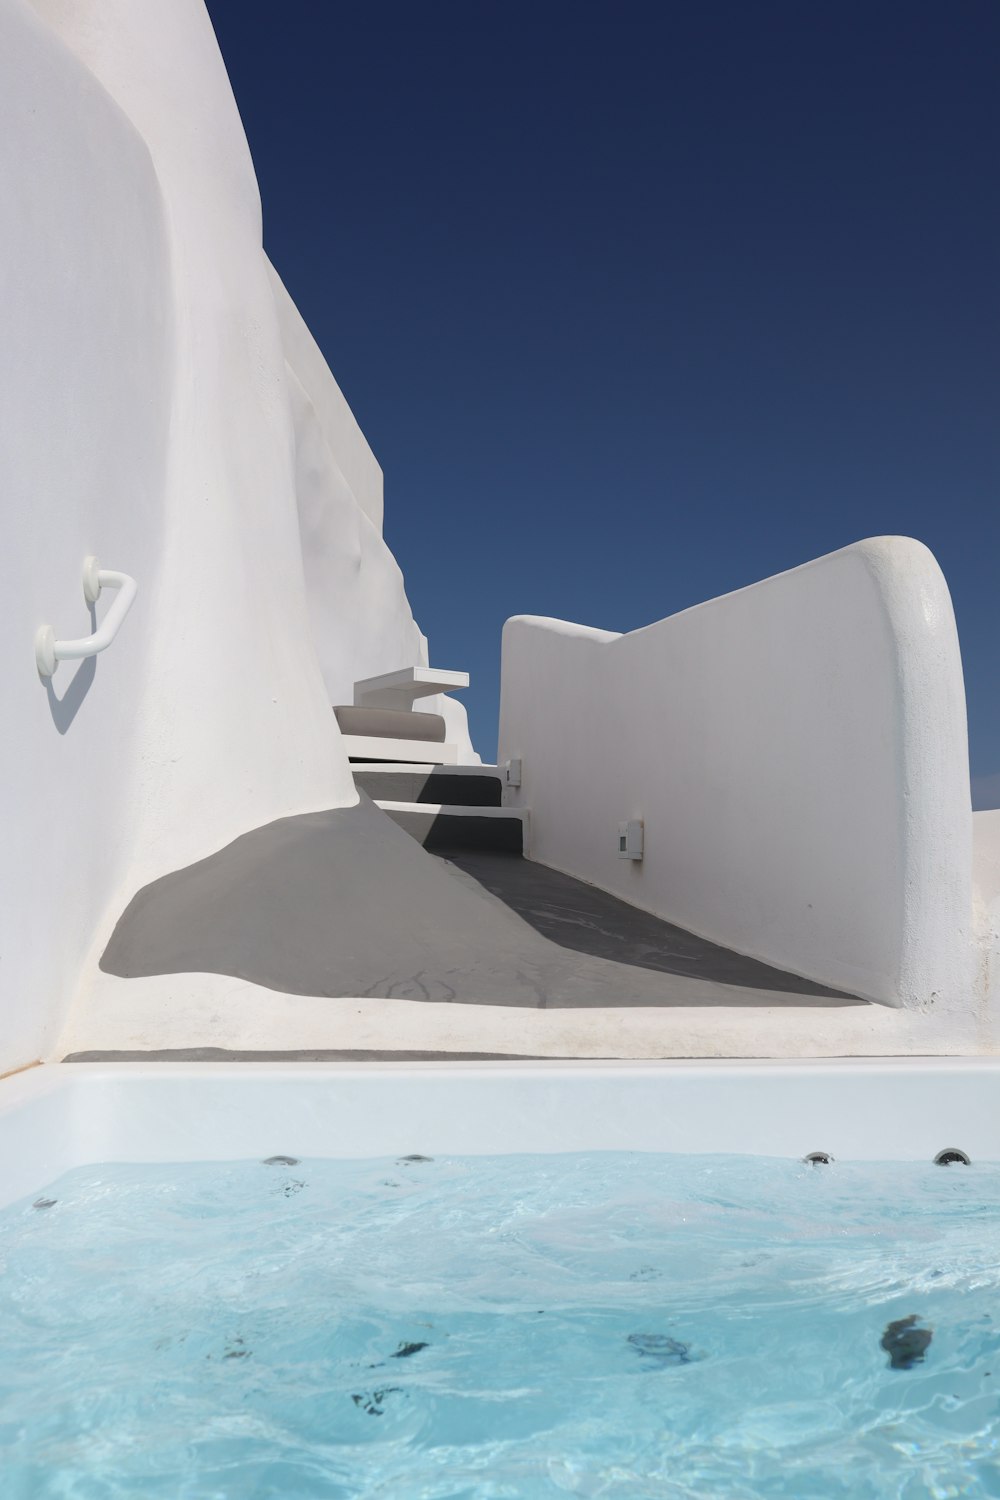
x=399 y=689
x=377 y=747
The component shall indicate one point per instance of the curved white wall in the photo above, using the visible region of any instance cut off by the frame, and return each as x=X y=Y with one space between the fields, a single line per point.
x=361 y=618
x=797 y=751
x=357 y=465
x=86 y=375
x=235 y=728
x=148 y=415
x=986 y=889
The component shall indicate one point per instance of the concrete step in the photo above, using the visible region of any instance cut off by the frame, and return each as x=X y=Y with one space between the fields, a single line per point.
x=440 y=826
x=459 y=786
x=381 y=748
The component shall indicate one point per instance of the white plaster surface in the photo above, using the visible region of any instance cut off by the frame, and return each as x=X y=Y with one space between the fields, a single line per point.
x=57 y=1117
x=162 y=407
x=797 y=752
x=986 y=889
x=213 y=1010
x=402 y=690
x=986 y=857
x=340 y=433
x=233 y=715
x=367 y=746
x=87 y=362
x=361 y=618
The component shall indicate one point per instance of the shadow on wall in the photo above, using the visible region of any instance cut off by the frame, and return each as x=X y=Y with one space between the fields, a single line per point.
x=65 y=709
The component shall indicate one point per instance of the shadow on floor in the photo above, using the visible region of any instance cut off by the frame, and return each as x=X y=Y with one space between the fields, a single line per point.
x=581 y=917
x=303 y=1054
x=344 y=904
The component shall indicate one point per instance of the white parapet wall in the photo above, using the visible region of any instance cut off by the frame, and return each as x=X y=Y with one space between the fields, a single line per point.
x=797 y=754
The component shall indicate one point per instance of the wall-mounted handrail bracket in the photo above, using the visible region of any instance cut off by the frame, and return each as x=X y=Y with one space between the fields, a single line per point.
x=91 y=580
x=49 y=652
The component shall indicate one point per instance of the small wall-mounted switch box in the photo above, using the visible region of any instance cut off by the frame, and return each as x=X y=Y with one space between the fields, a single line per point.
x=630 y=840
x=512 y=774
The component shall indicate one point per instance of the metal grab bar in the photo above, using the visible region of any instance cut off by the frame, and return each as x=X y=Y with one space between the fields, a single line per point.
x=49 y=652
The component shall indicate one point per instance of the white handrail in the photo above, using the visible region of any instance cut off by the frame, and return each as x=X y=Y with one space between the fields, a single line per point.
x=49 y=652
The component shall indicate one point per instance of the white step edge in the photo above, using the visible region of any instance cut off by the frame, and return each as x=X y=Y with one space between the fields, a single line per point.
x=425 y=752
x=448 y=809
x=386 y=768
x=400 y=688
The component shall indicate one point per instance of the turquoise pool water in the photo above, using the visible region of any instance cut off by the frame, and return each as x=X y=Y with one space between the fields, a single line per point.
x=601 y=1325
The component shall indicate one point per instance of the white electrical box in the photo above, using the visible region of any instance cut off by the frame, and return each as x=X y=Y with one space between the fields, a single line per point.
x=512 y=774
x=630 y=839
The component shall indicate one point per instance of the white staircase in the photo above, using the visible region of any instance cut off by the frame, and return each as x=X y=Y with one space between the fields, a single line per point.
x=455 y=810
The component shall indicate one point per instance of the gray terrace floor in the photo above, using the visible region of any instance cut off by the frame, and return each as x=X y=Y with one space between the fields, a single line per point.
x=344 y=904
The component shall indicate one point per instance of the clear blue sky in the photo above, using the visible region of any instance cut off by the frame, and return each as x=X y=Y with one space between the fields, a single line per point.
x=641 y=302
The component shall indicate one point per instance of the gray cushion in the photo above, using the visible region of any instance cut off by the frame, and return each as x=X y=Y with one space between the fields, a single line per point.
x=390 y=723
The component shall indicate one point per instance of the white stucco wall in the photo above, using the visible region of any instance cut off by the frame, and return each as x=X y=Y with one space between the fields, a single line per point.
x=162 y=406
x=986 y=892
x=144 y=417
x=341 y=434
x=86 y=373
x=361 y=619
x=797 y=751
